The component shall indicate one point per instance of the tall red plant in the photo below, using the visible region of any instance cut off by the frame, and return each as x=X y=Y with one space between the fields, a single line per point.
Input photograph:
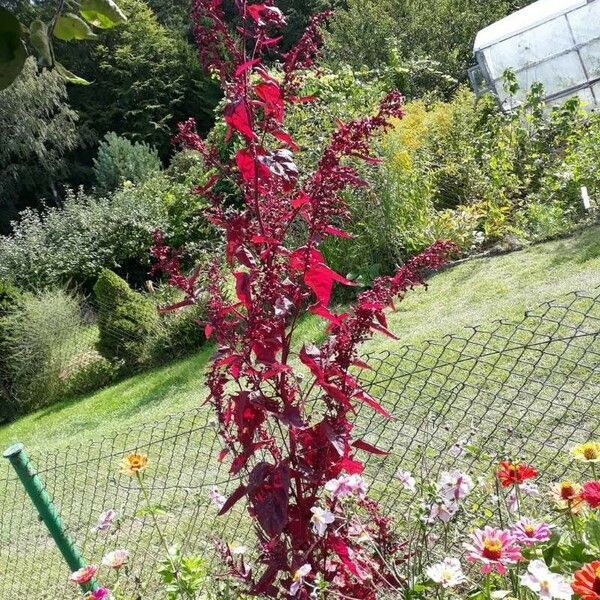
x=300 y=467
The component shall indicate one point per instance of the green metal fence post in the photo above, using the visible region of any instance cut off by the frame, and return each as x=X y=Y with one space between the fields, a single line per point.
x=43 y=503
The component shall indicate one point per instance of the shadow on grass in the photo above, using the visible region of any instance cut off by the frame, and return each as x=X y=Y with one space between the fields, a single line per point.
x=579 y=249
x=157 y=384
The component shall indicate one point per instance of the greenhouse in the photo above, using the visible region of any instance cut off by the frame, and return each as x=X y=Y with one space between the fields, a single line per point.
x=553 y=42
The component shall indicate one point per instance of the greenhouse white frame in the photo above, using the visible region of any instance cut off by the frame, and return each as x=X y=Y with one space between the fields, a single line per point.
x=553 y=42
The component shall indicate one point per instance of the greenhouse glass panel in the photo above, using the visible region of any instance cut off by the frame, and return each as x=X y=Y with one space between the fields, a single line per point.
x=584 y=23
x=530 y=47
x=590 y=55
x=552 y=42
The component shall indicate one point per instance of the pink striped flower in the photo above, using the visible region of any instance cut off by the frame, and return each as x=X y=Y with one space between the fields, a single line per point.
x=495 y=548
x=528 y=532
x=83 y=575
x=115 y=559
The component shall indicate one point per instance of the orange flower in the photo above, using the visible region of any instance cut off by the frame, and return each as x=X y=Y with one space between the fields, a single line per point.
x=586 y=581
x=514 y=473
x=134 y=463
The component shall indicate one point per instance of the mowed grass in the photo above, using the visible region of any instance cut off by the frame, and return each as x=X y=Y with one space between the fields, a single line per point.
x=438 y=393
x=476 y=291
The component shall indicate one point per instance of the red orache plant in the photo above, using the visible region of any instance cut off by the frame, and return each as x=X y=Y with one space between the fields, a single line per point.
x=299 y=467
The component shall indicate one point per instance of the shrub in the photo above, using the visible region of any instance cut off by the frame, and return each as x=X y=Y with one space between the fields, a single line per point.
x=120 y=160
x=40 y=340
x=128 y=322
x=73 y=243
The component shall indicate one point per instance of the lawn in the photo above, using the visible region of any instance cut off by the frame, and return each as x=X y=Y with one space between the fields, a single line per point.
x=476 y=291
x=534 y=395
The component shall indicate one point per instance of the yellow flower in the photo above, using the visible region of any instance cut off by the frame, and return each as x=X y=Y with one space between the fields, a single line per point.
x=588 y=452
x=134 y=463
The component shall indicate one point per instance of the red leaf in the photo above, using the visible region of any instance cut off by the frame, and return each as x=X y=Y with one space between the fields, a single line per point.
x=246 y=66
x=320 y=278
x=242 y=288
x=338 y=232
x=286 y=138
x=370 y=401
x=167 y=309
x=268 y=492
x=270 y=94
x=351 y=466
x=319 y=309
x=309 y=355
x=339 y=547
x=235 y=497
x=300 y=200
x=237 y=116
x=362 y=445
x=361 y=364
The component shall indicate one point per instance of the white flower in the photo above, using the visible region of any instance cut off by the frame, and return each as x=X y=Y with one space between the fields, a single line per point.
x=298 y=578
x=217 y=498
x=320 y=519
x=530 y=489
x=237 y=549
x=512 y=501
x=115 y=559
x=407 y=480
x=443 y=511
x=547 y=585
x=454 y=485
x=447 y=573
x=346 y=485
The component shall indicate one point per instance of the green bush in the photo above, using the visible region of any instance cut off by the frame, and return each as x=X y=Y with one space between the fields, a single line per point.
x=120 y=161
x=128 y=321
x=42 y=341
x=70 y=245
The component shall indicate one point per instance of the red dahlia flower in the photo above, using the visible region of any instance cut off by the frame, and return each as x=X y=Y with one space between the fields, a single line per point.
x=515 y=473
x=586 y=581
x=590 y=492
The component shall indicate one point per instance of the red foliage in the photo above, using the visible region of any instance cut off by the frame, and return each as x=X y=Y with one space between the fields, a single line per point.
x=286 y=452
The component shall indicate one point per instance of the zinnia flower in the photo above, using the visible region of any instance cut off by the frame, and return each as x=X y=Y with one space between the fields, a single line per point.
x=590 y=492
x=527 y=531
x=544 y=583
x=495 y=548
x=566 y=495
x=447 y=573
x=134 y=463
x=105 y=520
x=298 y=578
x=454 y=485
x=83 y=575
x=515 y=473
x=586 y=581
x=320 y=519
x=407 y=480
x=346 y=485
x=99 y=594
x=115 y=559
x=588 y=452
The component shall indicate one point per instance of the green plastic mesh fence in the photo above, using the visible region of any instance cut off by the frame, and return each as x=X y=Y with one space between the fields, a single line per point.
x=526 y=389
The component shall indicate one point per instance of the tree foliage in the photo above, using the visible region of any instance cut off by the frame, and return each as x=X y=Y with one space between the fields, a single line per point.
x=37 y=128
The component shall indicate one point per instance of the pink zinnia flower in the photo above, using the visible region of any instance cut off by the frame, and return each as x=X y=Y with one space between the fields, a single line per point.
x=495 y=548
x=83 y=575
x=115 y=559
x=527 y=531
x=99 y=594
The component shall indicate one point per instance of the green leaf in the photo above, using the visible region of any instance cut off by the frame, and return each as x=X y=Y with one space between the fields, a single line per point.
x=38 y=34
x=102 y=13
x=592 y=533
x=70 y=77
x=72 y=27
x=12 y=49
